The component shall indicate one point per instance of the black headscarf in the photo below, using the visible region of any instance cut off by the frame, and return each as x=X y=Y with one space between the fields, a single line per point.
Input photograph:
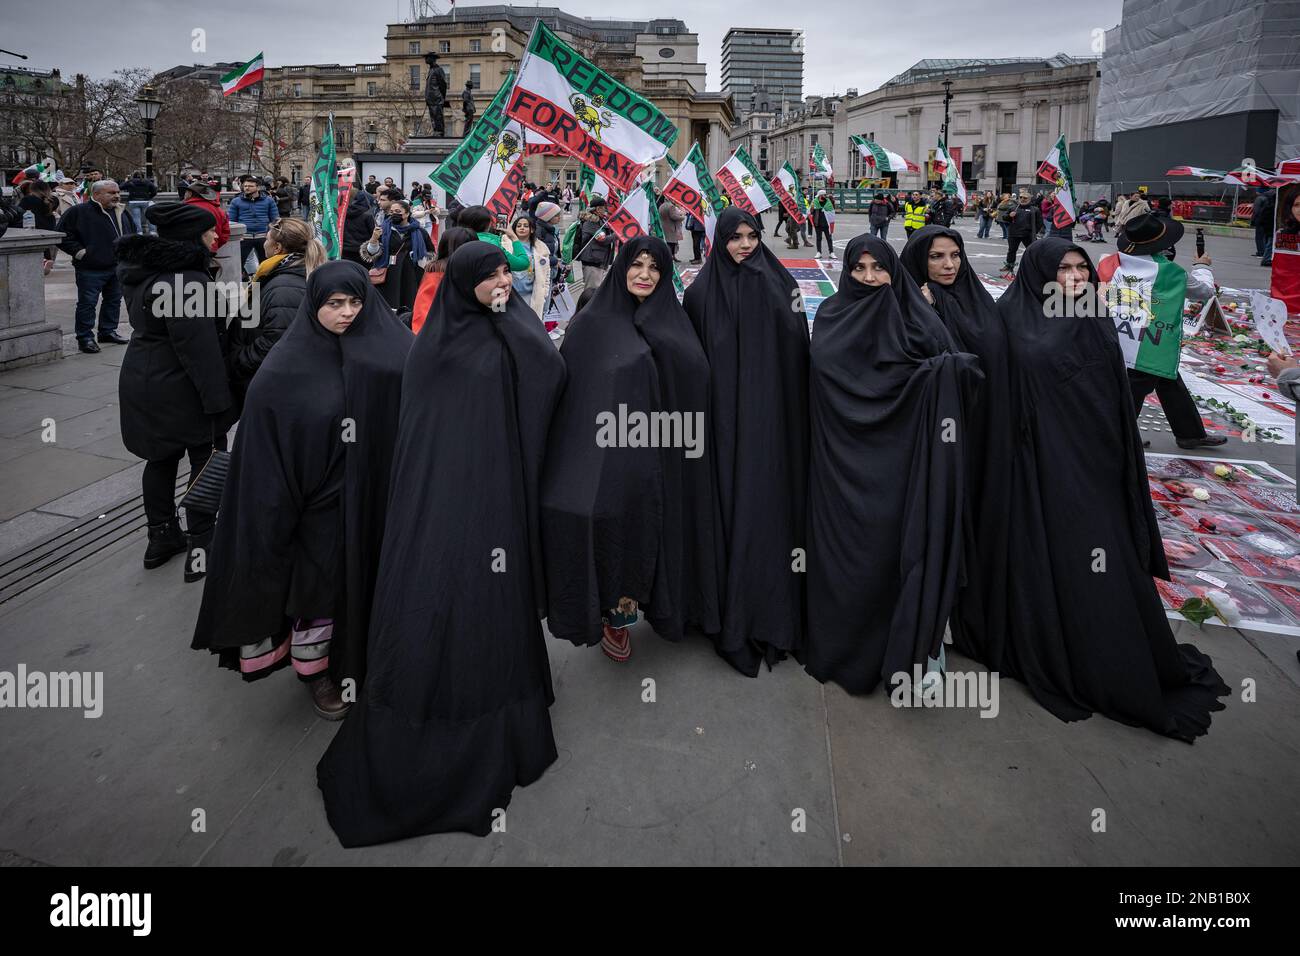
x=634 y=522
x=886 y=494
x=972 y=318
x=750 y=319
x=1086 y=629
x=454 y=713
x=302 y=511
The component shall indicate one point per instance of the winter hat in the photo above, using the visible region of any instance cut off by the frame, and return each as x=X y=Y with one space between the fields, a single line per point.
x=178 y=220
x=546 y=211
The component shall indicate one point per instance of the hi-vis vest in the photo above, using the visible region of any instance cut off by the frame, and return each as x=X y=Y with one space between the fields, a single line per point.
x=914 y=215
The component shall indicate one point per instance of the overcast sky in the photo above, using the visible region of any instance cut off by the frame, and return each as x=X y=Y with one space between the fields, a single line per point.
x=849 y=43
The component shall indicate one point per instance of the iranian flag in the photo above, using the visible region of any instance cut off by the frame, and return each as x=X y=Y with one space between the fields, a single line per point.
x=951 y=172
x=786 y=186
x=882 y=159
x=821 y=163
x=325 y=193
x=638 y=215
x=243 y=76
x=692 y=188
x=1055 y=169
x=487 y=168
x=1145 y=300
x=1198 y=171
x=590 y=186
x=745 y=184
x=581 y=108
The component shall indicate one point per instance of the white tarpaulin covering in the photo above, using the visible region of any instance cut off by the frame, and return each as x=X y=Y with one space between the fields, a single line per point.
x=1176 y=60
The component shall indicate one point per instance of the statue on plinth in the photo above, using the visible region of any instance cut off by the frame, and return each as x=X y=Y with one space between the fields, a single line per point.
x=435 y=94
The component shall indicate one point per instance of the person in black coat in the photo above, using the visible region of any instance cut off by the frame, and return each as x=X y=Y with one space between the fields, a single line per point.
x=1026 y=220
x=358 y=224
x=401 y=245
x=292 y=252
x=172 y=390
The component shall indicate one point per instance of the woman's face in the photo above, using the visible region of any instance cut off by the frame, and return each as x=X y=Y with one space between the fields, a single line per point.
x=1295 y=207
x=495 y=288
x=643 y=276
x=209 y=240
x=870 y=272
x=742 y=242
x=523 y=228
x=269 y=245
x=1072 y=273
x=338 y=312
x=943 y=261
x=397 y=212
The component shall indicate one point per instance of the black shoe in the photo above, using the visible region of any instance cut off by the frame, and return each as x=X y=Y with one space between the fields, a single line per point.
x=112 y=338
x=88 y=346
x=198 y=547
x=165 y=542
x=1266 y=262
x=1207 y=442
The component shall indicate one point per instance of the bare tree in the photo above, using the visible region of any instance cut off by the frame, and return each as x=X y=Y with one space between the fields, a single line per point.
x=85 y=122
x=195 y=128
x=397 y=112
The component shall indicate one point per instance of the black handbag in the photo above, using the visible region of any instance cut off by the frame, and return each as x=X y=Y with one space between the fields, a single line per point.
x=204 y=492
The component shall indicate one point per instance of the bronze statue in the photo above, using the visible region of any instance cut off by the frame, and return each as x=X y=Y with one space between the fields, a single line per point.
x=435 y=94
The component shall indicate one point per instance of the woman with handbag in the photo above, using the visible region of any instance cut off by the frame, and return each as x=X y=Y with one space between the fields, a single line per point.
x=396 y=252
x=295 y=554
x=172 y=391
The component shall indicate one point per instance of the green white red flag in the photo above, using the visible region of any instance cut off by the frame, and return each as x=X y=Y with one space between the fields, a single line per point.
x=243 y=76
x=745 y=184
x=786 y=186
x=951 y=172
x=691 y=187
x=821 y=163
x=883 y=160
x=590 y=186
x=487 y=168
x=1055 y=169
x=573 y=103
x=325 y=193
x=1198 y=171
x=1146 y=304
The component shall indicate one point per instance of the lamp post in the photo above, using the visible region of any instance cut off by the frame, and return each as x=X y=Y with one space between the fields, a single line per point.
x=149 y=106
x=372 y=138
x=947 y=98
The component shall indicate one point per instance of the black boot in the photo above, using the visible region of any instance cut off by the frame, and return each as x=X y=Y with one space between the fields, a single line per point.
x=196 y=558
x=165 y=541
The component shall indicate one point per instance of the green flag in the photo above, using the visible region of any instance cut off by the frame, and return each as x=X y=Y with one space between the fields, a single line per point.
x=325 y=193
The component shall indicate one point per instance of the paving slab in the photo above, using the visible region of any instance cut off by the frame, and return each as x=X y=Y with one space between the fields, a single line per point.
x=49 y=473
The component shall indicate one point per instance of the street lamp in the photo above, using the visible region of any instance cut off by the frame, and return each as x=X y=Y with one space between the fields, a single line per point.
x=149 y=106
x=947 y=98
x=372 y=138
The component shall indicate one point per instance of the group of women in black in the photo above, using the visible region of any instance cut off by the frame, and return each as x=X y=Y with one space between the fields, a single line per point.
x=418 y=504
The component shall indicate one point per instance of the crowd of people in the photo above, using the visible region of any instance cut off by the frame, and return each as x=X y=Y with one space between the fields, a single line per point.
x=420 y=477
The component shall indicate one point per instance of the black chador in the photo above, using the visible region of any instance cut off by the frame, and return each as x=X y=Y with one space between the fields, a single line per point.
x=890 y=400
x=454 y=714
x=750 y=319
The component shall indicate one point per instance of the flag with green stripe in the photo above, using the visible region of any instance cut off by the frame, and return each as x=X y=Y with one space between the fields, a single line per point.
x=1145 y=299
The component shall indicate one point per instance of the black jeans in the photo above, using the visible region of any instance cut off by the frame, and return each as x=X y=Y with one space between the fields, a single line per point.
x=697 y=245
x=1262 y=235
x=159 y=487
x=97 y=287
x=1179 y=407
x=830 y=246
x=257 y=246
x=1013 y=246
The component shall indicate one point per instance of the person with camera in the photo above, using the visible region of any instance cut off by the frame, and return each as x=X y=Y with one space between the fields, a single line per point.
x=396 y=253
x=596 y=243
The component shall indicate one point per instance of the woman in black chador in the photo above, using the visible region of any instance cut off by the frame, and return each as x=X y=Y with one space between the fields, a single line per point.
x=292 y=567
x=1086 y=628
x=627 y=519
x=890 y=400
x=935 y=258
x=454 y=713
x=749 y=317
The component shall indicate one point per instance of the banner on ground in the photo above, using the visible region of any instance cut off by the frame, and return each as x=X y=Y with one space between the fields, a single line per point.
x=581 y=108
x=745 y=184
x=325 y=193
x=691 y=187
x=786 y=186
x=1055 y=169
x=1269 y=316
x=884 y=160
x=1145 y=300
x=487 y=168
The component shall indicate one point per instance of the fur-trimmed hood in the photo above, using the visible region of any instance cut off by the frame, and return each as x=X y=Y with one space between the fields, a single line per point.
x=142 y=256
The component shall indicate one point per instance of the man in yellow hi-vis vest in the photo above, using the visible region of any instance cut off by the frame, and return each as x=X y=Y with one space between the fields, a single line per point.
x=914 y=212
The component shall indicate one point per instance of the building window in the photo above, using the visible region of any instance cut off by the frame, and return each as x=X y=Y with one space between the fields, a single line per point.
x=762 y=124
x=1009 y=120
x=571 y=178
x=444 y=46
x=413 y=46
x=371 y=88
x=961 y=119
x=813 y=140
x=415 y=77
x=297 y=131
x=474 y=76
x=297 y=90
x=475 y=46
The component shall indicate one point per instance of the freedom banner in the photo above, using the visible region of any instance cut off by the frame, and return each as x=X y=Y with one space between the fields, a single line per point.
x=487 y=168
x=884 y=160
x=581 y=108
x=325 y=193
x=1145 y=300
x=745 y=184
x=786 y=186
x=1055 y=169
x=692 y=188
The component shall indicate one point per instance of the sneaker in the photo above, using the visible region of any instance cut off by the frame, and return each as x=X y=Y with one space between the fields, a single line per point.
x=616 y=643
x=327 y=699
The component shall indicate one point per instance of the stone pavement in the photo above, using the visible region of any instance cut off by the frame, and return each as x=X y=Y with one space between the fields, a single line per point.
x=718 y=769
